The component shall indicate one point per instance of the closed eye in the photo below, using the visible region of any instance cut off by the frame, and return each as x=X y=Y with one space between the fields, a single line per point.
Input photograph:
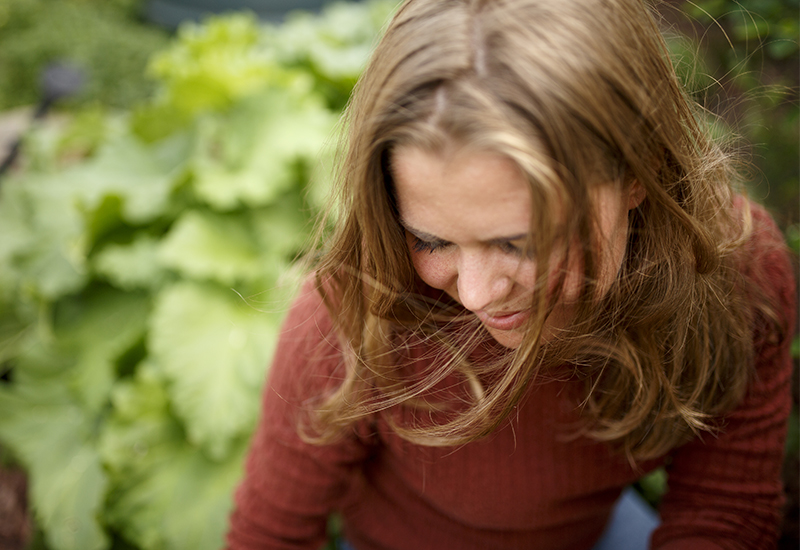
x=425 y=242
x=510 y=248
x=427 y=246
x=516 y=245
x=430 y=247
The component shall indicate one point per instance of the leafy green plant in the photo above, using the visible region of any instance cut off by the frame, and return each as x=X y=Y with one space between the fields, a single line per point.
x=143 y=278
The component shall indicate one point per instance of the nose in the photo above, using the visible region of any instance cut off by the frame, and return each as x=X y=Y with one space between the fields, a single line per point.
x=483 y=281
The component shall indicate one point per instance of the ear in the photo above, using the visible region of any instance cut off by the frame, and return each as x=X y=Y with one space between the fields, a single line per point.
x=636 y=194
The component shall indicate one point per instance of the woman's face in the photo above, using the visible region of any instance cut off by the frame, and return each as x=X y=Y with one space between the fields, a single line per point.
x=466 y=216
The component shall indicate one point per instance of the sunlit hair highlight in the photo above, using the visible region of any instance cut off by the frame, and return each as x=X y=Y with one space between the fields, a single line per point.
x=577 y=93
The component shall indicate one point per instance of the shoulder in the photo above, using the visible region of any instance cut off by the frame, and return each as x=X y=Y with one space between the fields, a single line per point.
x=765 y=236
x=768 y=276
x=768 y=270
x=308 y=356
x=765 y=241
x=308 y=317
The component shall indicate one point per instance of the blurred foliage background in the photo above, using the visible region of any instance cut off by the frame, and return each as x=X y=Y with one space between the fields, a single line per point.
x=105 y=37
x=740 y=61
x=147 y=234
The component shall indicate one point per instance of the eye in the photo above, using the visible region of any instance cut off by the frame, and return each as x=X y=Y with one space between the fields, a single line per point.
x=427 y=246
x=510 y=248
x=516 y=248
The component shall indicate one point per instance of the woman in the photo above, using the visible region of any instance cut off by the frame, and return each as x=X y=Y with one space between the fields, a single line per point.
x=541 y=285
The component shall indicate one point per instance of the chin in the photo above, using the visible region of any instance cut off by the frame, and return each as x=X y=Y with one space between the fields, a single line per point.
x=510 y=339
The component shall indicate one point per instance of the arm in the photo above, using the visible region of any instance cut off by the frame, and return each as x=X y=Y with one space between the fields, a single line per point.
x=725 y=490
x=290 y=486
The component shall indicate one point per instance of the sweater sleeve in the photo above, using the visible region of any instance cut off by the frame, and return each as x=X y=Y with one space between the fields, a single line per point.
x=290 y=486
x=725 y=490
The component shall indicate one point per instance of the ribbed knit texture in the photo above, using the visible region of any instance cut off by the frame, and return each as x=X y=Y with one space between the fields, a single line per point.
x=529 y=485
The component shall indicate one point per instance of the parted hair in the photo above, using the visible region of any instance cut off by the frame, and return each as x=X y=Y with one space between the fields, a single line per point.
x=575 y=92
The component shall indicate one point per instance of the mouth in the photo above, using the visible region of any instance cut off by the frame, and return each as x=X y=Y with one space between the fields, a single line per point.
x=503 y=320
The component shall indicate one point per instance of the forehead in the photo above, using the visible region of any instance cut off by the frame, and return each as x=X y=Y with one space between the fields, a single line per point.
x=460 y=194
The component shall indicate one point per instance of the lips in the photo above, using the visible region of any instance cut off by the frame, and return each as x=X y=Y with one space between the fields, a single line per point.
x=503 y=320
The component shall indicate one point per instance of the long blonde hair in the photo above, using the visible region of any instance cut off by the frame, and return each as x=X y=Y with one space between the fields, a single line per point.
x=572 y=91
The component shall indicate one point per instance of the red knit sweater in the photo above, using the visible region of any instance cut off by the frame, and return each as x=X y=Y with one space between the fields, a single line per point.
x=529 y=485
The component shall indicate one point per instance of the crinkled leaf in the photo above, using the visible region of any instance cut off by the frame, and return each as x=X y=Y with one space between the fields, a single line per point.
x=346 y=63
x=51 y=434
x=96 y=329
x=182 y=500
x=204 y=245
x=157 y=120
x=337 y=43
x=214 y=349
x=51 y=219
x=141 y=175
x=140 y=420
x=13 y=330
x=17 y=233
x=131 y=266
x=46 y=248
x=166 y=493
x=104 y=318
x=92 y=377
x=42 y=359
x=253 y=247
x=250 y=158
x=13 y=214
x=211 y=65
x=103 y=219
x=80 y=350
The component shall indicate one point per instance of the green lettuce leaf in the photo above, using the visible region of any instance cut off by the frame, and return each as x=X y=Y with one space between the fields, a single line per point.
x=52 y=435
x=131 y=266
x=250 y=157
x=204 y=245
x=50 y=220
x=213 y=64
x=142 y=176
x=214 y=349
x=335 y=45
x=43 y=250
x=166 y=493
x=96 y=329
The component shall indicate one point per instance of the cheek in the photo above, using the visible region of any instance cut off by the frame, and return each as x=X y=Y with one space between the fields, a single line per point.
x=612 y=255
x=609 y=253
x=524 y=275
x=434 y=269
x=573 y=280
x=612 y=237
x=570 y=267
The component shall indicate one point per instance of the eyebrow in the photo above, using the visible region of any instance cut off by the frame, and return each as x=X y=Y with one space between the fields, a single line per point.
x=427 y=237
